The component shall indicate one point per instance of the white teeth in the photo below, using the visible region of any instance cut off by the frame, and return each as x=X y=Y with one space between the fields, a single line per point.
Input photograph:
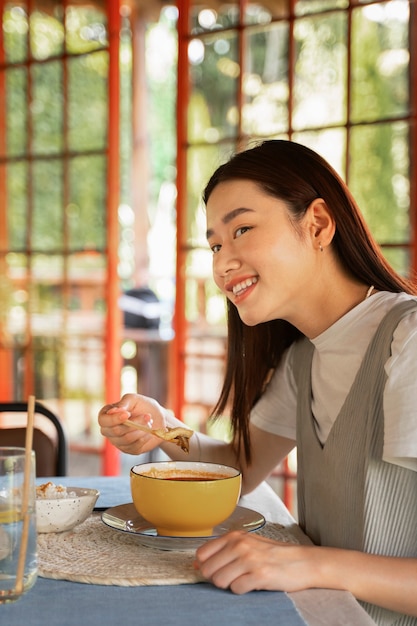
x=240 y=287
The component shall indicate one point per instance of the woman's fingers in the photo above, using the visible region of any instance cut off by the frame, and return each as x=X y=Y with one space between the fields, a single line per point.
x=137 y=408
x=245 y=562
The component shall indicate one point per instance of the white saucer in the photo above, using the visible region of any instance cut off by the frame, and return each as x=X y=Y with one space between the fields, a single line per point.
x=125 y=518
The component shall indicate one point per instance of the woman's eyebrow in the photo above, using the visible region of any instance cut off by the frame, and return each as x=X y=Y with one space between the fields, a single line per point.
x=228 y=217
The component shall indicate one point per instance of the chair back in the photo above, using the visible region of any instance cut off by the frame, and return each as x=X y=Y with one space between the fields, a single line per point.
x=49 y=439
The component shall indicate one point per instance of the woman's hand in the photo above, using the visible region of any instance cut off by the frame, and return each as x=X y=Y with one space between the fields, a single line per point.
x=244 y=562
x=137 y=408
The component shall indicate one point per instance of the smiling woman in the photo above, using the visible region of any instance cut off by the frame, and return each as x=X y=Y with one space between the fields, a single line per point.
x=307 y=227
x=320 y=330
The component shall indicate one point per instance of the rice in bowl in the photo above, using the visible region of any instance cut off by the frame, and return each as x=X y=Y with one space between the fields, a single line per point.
x=50 y=491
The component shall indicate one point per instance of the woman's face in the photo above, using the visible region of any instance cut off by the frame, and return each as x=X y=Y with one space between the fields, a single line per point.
x=262 y=262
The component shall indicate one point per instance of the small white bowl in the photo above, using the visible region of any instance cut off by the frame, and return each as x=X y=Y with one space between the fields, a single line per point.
x=55 y=515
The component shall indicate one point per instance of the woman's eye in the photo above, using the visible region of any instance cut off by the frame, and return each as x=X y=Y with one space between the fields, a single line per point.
x=240 y=231
x=215 y=248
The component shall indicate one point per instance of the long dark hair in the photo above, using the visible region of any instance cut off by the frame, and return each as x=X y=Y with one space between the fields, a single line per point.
x=296 y=175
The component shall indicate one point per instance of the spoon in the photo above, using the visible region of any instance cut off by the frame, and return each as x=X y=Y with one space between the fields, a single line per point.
x=178 y=435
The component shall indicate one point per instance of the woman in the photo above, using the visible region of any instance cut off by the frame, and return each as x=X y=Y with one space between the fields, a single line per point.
x=322 y=338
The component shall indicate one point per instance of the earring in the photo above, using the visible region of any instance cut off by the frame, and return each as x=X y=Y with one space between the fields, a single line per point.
x=320 y=247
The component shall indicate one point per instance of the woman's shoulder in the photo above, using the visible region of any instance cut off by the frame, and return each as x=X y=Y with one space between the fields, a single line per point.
x=383 y=302
x=404 y=341
x=390 y=299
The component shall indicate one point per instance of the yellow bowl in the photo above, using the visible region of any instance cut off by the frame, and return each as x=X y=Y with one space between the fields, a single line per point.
x=185 y=498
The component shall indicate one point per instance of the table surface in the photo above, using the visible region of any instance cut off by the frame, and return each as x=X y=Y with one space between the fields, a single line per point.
x=69 y=603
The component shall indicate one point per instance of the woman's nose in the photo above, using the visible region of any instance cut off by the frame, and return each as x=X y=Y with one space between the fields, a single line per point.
x=224 y=262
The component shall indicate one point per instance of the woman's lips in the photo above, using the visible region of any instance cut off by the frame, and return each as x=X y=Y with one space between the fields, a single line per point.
x=242 y=287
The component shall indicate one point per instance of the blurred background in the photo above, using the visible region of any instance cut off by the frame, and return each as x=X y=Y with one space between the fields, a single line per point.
x=113 y=115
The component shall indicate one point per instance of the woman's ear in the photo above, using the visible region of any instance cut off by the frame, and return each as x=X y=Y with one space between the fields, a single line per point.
x=322 y=225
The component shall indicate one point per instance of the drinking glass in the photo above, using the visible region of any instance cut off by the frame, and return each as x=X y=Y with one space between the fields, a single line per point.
x=18 y=551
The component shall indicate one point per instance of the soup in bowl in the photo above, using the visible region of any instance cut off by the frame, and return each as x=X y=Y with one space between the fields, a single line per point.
x=185 y=498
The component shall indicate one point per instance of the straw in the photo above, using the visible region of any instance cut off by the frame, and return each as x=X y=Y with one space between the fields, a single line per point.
x=25 y=496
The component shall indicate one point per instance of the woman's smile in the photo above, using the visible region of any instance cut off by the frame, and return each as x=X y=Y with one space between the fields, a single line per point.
x=241 y=288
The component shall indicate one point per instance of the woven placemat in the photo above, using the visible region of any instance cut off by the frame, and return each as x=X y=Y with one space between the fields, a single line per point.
x=96 y=554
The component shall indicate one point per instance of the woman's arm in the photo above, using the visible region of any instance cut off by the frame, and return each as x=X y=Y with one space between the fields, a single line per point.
x=390 y=582
x=244 y=562
x=267 y=450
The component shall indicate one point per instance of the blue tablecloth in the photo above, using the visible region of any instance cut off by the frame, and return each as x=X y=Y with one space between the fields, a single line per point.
x=61 y=603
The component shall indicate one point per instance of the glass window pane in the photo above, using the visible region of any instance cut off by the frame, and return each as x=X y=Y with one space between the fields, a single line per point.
x=47 y=111
x=17 y=204
x=201 y=282
x=48 y=360
x=202 y=161
x=204 y=365
x=380 y=61
x=264 y=12
x=330 y=144
x=47 y=210
x=15 y=295
x=195 y=296
x=320 y=71
x=15 y=32
x=46 y=33
x=204 y=18
x=3 y=210
x=161 y=80
x=86 y=29
x=47 y=274
x=399 y=258
x=87 y=102
x=86 y=211
x=205 y=305
x=265 y=81
x=305 y=7
x=214 y=73
x=379 y=179
x=47 y=322
x=83 y=372
x=87 y=280
x=16 y=111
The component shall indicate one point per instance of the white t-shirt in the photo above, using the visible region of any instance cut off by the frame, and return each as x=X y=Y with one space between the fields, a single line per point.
x=339 y=351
